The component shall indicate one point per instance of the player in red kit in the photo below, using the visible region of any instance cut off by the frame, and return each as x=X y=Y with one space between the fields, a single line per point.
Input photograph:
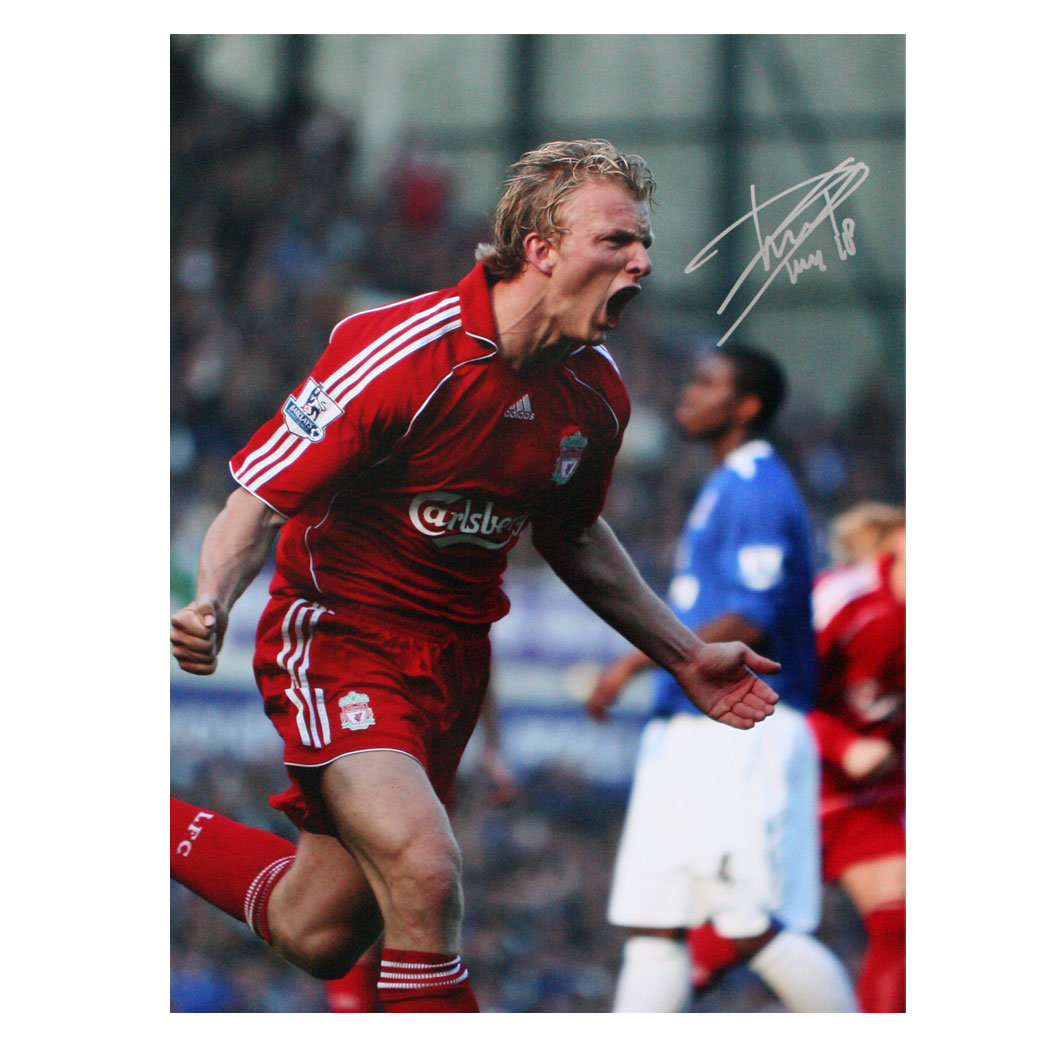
x=429 y=436
x=859 y=722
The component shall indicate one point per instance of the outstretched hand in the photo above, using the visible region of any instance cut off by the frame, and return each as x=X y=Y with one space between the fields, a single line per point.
x=721 y=681
x=197 y=632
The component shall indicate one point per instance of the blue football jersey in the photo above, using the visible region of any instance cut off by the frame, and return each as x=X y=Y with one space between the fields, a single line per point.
x=747 y=548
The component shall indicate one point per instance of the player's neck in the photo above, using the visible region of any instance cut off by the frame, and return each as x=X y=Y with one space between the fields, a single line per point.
x=524 y=331
x=727 y=443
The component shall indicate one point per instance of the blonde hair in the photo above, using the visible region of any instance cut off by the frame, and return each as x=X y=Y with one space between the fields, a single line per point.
x=863 y=531
x=541 y=182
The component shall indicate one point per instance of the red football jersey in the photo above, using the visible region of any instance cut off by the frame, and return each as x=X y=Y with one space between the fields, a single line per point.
x=861 y=643
x=412 y=458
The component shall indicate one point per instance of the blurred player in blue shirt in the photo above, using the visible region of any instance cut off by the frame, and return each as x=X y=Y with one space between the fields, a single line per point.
x=719 y=858
x=746 y=551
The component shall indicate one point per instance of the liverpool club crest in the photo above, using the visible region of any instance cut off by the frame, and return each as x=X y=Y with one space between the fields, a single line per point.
x=571 y=449
x=355 y=711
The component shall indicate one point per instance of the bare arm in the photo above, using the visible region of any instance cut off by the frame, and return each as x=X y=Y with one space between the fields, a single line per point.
x=616 y=676
x=717 y=678
x=233 y=552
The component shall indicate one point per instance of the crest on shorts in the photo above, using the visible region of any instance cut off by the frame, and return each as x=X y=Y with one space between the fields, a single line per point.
x=571 y=449
x=355 y=711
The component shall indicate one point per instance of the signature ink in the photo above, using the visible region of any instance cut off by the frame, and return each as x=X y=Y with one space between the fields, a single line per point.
x=824 y=193
x=800 y=265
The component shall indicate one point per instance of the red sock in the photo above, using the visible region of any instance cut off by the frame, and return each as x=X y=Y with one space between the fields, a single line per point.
x=231 y=865
x=711 y=954
x=410 y=981
x=881 y=984
x=357 y=990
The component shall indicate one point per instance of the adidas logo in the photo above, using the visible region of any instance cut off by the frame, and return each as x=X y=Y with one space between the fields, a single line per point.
x=520 y=410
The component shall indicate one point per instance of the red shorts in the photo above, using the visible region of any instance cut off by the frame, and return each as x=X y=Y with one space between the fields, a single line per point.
x=862 y=833
x=340 y=680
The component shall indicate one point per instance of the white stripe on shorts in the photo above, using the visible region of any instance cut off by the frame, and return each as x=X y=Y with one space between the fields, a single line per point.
x=299 y=624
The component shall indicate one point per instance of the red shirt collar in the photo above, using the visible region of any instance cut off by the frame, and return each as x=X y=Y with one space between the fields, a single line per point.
x=476 y=311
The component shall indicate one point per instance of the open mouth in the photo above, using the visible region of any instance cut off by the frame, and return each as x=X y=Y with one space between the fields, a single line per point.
x=618 y=302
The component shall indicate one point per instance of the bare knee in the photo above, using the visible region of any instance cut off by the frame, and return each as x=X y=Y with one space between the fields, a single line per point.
x=324 y=951
x=325 y=954
x=323 y=938
x=322 y=914
x=423 y=883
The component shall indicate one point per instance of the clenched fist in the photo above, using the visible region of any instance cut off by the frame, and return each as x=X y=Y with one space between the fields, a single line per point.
x=197 y=632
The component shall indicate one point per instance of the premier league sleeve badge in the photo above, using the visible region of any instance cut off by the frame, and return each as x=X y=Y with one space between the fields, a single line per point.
x=308 y=413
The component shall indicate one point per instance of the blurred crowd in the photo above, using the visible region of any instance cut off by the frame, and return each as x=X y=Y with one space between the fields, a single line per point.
x=273 y=243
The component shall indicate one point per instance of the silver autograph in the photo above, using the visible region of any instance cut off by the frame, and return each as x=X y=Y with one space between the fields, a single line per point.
x=825 y=192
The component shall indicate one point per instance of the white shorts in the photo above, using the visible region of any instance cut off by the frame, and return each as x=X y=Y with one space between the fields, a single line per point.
x=722 y=826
